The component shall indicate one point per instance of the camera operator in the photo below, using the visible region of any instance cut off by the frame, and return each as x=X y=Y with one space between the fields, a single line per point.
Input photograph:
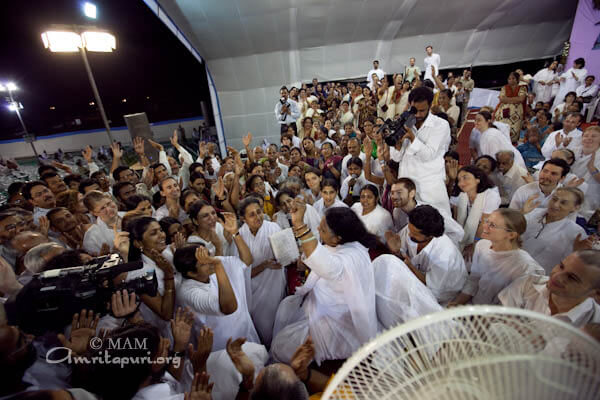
x=286 y=109
x=422 y=152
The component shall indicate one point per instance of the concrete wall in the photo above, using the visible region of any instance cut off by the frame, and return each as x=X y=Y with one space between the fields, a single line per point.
x=74 y=141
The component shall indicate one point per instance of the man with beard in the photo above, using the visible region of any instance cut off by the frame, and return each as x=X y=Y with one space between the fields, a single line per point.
x=539 y=193
x=54 y=182
x=65 y=227
x=423 y=149
x=403 y=194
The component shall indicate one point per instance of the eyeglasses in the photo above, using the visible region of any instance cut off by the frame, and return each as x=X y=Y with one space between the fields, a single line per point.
x=494 y=226
x=14 y=226
x=543 y=222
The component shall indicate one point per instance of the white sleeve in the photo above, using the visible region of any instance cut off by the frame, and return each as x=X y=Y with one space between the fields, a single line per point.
x=492 y=201
x=325 y=263
x=549 y=145
x=427 y=151
x=295 y=110
x=516 y=203
x=162 y=158
x=512 y=295
x=344 y=188
x=201 y=300
x=93 y=167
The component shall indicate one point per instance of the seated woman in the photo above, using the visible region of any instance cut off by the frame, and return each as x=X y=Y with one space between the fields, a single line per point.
x=551 y=235
x=498 y=259
x=477 y=200
x=354 y=182
x=312 y=192
x=329 y=197
x=214 y=289
x=376 y=219
x=100 y=236
x=492 y=140
x=139 y=205
x=285 y=199
x=331 y=168
x=431 y=255
x=267 y=278
x=336 y=305
x=256 y=184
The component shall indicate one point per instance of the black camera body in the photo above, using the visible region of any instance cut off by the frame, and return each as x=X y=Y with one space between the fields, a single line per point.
x=48 y=302
x=394 y=130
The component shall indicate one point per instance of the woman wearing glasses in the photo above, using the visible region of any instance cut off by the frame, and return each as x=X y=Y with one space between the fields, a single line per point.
x=551 y=234
x=498 y=258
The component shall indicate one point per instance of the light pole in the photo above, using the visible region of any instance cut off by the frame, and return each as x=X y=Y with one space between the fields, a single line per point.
x=83 y=39
x=16 y=107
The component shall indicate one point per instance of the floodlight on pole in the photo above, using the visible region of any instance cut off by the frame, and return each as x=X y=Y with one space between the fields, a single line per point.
x=89 y=10
x=17 y=107
x=83 y=39
x=11 y=86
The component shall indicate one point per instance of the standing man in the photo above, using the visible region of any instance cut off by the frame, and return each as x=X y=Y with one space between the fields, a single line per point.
x=377 y=71
x=423 y=149
x=432 y=59
x=586 y=93
x=468 y=84
x=412 y=71
x=543 y=81
x=286 y=109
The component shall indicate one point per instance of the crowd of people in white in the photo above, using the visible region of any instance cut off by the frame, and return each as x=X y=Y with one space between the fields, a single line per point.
x=391 y=224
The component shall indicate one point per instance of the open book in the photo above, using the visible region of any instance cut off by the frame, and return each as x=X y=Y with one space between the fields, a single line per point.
x=284 y=246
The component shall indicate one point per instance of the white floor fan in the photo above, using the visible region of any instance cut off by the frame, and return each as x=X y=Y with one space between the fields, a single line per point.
x=474 y=352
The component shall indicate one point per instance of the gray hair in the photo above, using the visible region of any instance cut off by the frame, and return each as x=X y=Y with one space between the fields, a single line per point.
x=509 y=152
x=276 y=383
x=292 y=180
x=34 y=260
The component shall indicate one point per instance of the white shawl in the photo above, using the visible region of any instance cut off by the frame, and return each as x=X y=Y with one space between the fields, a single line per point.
x=469 y=220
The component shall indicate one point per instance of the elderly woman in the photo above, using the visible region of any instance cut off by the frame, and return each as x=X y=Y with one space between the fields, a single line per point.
x=336 y=305
x=512 y=105
x=498 y=259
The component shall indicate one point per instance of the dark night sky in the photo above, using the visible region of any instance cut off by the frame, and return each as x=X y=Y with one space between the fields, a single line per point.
x=149 y=61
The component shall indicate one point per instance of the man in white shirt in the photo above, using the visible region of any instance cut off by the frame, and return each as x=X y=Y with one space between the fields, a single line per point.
x=510 y=176
x=537 y=194
x=432 y=60
x=412 y=71
x=377 y=71
x=586 y=93
x=403 y=194
x=571 y=292
x=353 y=151
x=423 y=149
x=543 y=80
x=286 y=109
x=568 y=137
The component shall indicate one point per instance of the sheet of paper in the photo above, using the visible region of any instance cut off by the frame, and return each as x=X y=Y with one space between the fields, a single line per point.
x=284 y=246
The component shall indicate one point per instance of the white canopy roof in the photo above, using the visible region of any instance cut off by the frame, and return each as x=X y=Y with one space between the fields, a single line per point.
x=252 y=47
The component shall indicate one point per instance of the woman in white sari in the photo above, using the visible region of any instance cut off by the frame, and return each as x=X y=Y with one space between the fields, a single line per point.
x=377 y=219
x=477 y=200
x=570 y=80
x=329 y=197
x=498 y=259
x=587 y=167
x=266 y=276
x=336 y=305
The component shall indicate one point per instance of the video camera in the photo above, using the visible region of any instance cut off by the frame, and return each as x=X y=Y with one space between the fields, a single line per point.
x=48 y=302
x=394 y=130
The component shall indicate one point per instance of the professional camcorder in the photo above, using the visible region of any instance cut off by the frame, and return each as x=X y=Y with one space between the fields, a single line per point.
x=394 y=130
x=48 y=302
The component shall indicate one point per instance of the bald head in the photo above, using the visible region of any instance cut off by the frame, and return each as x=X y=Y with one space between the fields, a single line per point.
x=278 y=381
x=27 y=240
x=505 y=160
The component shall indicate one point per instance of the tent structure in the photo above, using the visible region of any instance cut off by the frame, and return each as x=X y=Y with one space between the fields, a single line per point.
x=253 y=47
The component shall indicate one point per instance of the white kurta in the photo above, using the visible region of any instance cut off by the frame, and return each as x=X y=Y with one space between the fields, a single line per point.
x=452 y=229
x=228 y=248
x=493 y=141
x=543 y=92
x=203 y=299
x=360 y=182
x=549 y=243
x=400 y=295
x=433 y=59
x=423 y=161
x=163 y=212
x=492 y=271
x=268 y=287
x=441 y=262
x=336 y=305
x=550 y=143
x=570 y=84
x=592 y=193
x=97 y=235
x=377 y=222
x=521 y=195
x=344 y=171
x=319 y=206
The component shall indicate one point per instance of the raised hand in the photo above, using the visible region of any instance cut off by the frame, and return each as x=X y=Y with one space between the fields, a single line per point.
x=181 y=326
x=453 y=169
x=44 y=225
x=156 y=145
x=83 y=327
x=528 y=178
x=138 y=145
x=201 y=389
x=161 y=354
x=204 y=257
x=591 y=164
x=179 y=240
x=531 y=203
x=121 y=242
x=297 y=211
x=174 y=139
x=583 y=244
x=116 y=150
x=199 y=356
x=231 y=223
x=368 y=147
x=246 y=140
x=161 y=262
x=558 y=139
x=575 y=182
x=87 y=154
x=302 y=358
x=104 y=250
x=148 y=178
x=219 y=188
x=202 y=149
x=241 y=361
x=123 y=304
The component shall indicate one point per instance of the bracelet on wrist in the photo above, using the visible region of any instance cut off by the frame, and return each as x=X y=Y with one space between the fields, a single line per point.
x=298 y=236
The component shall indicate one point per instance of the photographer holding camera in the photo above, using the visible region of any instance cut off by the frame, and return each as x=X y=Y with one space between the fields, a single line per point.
x=286 y=109
x=422 y=151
